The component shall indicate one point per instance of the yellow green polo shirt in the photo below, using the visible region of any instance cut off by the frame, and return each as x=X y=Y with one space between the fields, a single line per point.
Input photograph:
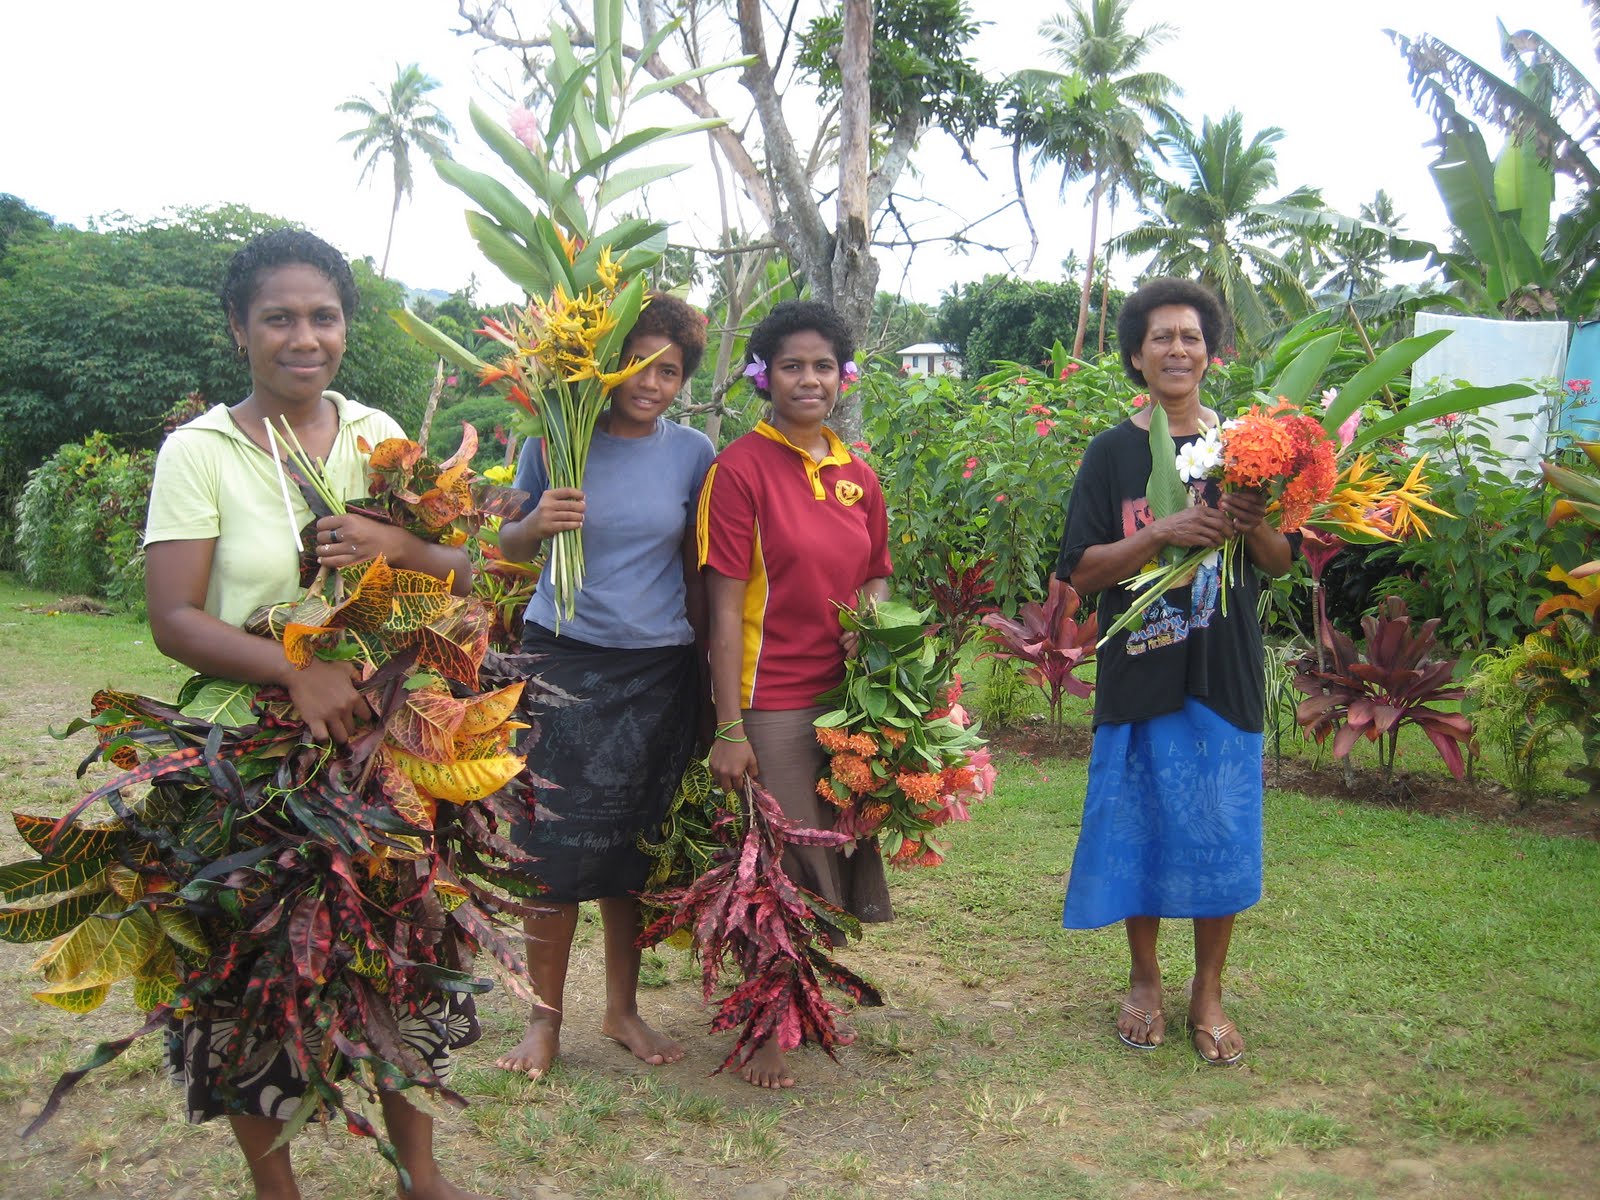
x=213 y=482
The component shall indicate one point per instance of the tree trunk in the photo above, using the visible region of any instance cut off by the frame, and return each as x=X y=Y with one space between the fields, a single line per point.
x=1105 y=274
x=1088 y=267
x=383 y=270
x=854 y=271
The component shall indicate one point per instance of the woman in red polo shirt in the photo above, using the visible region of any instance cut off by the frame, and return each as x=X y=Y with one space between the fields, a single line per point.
x=791 y=525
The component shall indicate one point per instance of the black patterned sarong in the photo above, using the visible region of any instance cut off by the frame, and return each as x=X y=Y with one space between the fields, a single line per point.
x=616 y=753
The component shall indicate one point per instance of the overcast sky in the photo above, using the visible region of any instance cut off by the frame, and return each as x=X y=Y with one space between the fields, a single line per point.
x=112 y=105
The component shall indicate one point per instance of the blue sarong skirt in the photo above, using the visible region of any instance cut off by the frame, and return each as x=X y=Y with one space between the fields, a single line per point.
x=1171 y=821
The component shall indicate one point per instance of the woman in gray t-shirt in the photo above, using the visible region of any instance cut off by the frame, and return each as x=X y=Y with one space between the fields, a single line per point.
x=608 y=762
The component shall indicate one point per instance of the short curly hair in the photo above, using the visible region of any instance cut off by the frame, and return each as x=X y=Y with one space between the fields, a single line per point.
x=799 y=316
x=1133 y=321
x=681 y=324
x=281 y=248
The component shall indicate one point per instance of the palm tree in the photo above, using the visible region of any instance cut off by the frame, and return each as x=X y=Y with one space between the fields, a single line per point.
x=1093 y=123
x=1217 y=226
x=400 y=120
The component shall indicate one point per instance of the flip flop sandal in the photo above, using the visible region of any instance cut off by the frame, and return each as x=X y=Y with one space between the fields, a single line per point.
x=1147 y=1019
x=1216 y=1033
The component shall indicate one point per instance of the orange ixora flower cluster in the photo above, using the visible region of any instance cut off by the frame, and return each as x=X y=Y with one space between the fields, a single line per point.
x=1281 y=447
x=882 y=789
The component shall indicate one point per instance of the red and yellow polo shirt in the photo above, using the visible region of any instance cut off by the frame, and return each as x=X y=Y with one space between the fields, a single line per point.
x=805 y=535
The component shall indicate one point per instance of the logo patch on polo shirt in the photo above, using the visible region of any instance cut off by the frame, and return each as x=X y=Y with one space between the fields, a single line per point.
x=847 y=492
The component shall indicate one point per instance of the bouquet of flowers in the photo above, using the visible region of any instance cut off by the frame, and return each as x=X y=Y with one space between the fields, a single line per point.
x=1287 y=455
x=905 y=758
x=563 y=361
x=324 y=900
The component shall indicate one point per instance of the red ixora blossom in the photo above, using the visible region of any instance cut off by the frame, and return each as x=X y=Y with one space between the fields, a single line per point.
x=1141 y=399
x=861 y=446
x=1043 y=427
x=1579 y=385
x=1071 y=369
x=1001 y=498
x=1038 y=410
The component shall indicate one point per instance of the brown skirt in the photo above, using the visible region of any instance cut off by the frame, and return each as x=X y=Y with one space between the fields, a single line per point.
x=791 y=760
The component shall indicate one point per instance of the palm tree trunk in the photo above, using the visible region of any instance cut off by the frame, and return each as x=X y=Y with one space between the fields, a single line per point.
x=1088 y=268
x=383 y=271
x=1105 y=275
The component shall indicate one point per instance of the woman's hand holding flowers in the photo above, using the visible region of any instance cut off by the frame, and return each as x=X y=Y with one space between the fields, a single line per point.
x=1200 y=526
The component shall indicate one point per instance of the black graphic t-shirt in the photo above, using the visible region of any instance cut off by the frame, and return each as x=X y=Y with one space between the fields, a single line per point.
x=1186 y=645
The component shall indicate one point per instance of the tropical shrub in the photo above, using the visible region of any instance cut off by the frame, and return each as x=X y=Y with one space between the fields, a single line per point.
x=1502 y=712
x=975 y=473
x=1376 y=695
x=80 y=521
x=1562 y=674
x=1052 y=642
x=1482 y=570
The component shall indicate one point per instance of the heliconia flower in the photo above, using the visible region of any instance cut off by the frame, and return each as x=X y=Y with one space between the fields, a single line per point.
x=524 y=127
x=756 y=373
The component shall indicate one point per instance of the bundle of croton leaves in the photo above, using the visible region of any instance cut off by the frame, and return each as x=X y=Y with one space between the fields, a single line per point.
x=321 y=894
x=719 y=879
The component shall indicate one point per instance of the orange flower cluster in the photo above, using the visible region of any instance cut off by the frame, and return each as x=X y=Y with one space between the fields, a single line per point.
x=1281 y=445
x=921 y=786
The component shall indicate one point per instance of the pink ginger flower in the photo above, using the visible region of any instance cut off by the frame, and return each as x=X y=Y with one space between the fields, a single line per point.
x=525 y=128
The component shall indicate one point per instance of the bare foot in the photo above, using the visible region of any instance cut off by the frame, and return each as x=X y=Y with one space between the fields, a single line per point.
x=532 y=1056
x=648 y=1045
x=439 y=1189
x=1139 y=1018
x=766 y=1068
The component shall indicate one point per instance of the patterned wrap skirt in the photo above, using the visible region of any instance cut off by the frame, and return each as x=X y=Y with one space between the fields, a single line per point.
x=791 y=760
x=615 y=755
x=273 y=1082
x=1171 y=821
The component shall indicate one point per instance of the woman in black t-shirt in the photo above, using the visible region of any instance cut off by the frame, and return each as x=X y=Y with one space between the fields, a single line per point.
x=1172 y=819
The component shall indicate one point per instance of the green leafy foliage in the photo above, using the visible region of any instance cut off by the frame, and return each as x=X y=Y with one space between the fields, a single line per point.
x=80 y=521
x=1482 y=570
x=976 y=473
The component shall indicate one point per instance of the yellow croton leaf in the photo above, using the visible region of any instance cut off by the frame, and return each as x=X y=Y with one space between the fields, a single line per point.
x=460 y=782
x=75 y=1000
x=301 y=642
x=419 y=599
x=100 y=951
x=371 y=603
x=490 y=709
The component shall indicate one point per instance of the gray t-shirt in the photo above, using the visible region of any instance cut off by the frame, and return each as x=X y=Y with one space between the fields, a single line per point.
x=640 y=496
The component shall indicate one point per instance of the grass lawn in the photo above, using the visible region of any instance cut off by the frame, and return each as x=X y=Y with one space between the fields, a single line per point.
x=1418 y=995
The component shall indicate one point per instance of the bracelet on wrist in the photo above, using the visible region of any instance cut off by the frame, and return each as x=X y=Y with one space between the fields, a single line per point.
x=724 y=736
x=724 y=726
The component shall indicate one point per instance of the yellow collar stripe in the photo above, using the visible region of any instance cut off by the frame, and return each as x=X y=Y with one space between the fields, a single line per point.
x=837 y=455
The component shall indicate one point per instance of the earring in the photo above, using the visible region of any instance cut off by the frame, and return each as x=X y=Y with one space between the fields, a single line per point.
x=241 y=353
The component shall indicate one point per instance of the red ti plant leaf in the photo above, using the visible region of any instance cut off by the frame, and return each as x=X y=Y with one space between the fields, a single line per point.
x=1051 y=641
x=959 y=598
x=1395 y=684
x=746 y=909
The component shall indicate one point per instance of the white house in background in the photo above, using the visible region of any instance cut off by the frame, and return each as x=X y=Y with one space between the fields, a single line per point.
x=930 y=358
